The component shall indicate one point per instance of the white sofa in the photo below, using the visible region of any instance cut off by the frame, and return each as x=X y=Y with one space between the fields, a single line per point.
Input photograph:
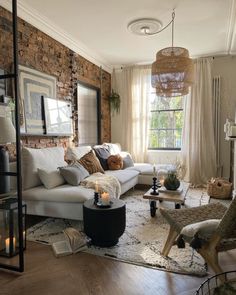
x=66 y=201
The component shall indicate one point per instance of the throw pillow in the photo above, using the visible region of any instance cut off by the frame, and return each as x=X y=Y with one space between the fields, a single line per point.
x=203 y=228
x=114 y=148
x=74 y=174
x=91 y=163
x=50 y=179
x=115 y=162
x=102 y=153
x=127 y=160
x=75 y=153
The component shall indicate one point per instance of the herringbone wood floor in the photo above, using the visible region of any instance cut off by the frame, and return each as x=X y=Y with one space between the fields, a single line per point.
x=87 y=274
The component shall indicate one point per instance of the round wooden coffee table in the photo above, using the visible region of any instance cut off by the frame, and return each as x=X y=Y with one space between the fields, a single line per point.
x=104 y=225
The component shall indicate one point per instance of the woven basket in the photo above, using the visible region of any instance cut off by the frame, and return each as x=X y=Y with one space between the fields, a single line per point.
x=219 y=188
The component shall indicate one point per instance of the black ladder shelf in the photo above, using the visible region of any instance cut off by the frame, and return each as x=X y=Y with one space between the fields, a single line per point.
x=14 y=77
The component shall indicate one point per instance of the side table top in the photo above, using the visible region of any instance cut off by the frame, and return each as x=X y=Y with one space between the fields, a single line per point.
x=169 y=196
x=116 y=203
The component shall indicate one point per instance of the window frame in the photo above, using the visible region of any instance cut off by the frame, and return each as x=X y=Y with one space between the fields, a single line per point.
x=159 y=129
x=98 y=98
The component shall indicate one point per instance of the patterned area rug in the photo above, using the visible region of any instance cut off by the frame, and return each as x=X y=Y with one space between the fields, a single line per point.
x=143 y=239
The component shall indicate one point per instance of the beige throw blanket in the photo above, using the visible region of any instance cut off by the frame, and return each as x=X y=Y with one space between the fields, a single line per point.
x=106 y=183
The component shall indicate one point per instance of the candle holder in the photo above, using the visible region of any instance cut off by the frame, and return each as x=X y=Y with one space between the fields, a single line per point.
x=9 y=242
x=155 y=187
x=96 y=197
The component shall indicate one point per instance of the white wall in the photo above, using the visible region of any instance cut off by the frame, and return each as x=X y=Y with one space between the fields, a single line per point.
x=222 y=66
x=225 y=67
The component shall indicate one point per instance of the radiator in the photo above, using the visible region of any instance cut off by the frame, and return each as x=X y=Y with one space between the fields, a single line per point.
x=216 y=117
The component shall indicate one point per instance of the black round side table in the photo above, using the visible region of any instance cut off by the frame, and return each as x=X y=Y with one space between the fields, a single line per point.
x=104 y=225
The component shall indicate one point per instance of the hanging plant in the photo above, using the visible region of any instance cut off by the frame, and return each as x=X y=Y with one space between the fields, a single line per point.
x=114 y=99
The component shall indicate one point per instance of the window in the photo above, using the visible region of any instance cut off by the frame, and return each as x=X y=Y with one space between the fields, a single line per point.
x=166 y=122
x=89 y=126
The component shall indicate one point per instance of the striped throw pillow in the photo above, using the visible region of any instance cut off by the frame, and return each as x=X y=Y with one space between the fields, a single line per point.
x=91 y=163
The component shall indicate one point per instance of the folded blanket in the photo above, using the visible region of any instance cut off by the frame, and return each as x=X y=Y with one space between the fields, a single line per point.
x=106 y=183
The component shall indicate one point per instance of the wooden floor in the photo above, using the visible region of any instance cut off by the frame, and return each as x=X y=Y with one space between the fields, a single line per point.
x=88 y=274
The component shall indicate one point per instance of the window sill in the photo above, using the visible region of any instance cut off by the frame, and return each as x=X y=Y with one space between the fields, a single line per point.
x=164 y=151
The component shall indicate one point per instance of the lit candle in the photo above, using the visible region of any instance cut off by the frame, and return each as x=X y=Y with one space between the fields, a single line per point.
x=7 y=244
x=23 y=238
x=162 y=179
x=105 y=198
x=96 y=186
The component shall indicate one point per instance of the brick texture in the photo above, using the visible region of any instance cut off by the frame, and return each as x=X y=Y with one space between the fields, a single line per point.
x=39 y=51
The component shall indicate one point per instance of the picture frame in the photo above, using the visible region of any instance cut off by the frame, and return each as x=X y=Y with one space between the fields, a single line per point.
x=58 y=117
x=34 y=85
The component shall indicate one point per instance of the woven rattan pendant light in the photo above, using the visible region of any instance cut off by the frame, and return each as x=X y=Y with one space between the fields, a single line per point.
x=172 y=72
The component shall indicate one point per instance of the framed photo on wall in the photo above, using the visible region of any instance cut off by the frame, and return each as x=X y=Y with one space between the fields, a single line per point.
x=34 y=85
x=58 y=117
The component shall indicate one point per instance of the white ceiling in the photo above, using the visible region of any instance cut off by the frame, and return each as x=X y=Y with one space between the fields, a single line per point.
x=97 y=29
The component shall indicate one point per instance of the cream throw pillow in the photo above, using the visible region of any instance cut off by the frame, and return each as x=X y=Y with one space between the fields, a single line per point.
x=75 y=153
x=50 y=179
x=203 y=228
x=47 y=159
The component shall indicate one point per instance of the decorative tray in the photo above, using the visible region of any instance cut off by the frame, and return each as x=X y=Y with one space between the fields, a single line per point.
x=177 y=192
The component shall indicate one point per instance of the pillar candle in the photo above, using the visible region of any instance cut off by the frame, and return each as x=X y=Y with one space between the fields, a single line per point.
x=7 y=244
x=105 y=198
x=96 y=186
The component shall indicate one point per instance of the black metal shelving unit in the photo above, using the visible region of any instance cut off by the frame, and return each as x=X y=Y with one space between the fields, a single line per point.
x=14 y=76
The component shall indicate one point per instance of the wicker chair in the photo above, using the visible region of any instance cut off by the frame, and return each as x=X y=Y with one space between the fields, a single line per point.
x=222 y=239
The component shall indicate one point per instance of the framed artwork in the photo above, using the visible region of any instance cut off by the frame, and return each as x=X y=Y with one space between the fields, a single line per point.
x=34 y=85
x=58 y=116
x=89 y=114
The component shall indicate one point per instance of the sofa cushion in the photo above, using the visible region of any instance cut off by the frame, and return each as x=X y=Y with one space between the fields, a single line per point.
x=64 y=193
x=102 y=153
x=50 y=179
x=32 y=159
x=143 y=168
x=114 y=148
x=75 y=153
x=127 y=160
x=91 y=163
x=115 y=162
x=147 y=169
x=74 y=174
x=123 y=175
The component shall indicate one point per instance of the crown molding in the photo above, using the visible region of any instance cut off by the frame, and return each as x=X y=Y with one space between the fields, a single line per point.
x=45 y=25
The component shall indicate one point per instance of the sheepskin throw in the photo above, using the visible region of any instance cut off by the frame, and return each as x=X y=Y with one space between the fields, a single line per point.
x=106 y=183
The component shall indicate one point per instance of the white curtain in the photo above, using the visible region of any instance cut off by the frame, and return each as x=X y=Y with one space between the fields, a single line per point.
x=134 y=86
x=198 y=146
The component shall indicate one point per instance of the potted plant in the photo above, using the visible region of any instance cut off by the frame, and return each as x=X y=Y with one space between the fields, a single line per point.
x=114 y=99
x=171 y=182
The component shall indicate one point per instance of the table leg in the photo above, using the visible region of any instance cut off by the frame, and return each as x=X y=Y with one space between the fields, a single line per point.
x=153 y=208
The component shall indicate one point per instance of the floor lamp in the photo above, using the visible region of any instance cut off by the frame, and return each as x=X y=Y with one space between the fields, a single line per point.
x=7 y=135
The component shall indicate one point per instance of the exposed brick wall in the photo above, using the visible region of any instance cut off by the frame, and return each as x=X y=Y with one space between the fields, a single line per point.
x=39 y=51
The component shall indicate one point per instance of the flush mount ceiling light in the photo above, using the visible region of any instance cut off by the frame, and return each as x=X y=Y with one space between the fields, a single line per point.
x=172 y=72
